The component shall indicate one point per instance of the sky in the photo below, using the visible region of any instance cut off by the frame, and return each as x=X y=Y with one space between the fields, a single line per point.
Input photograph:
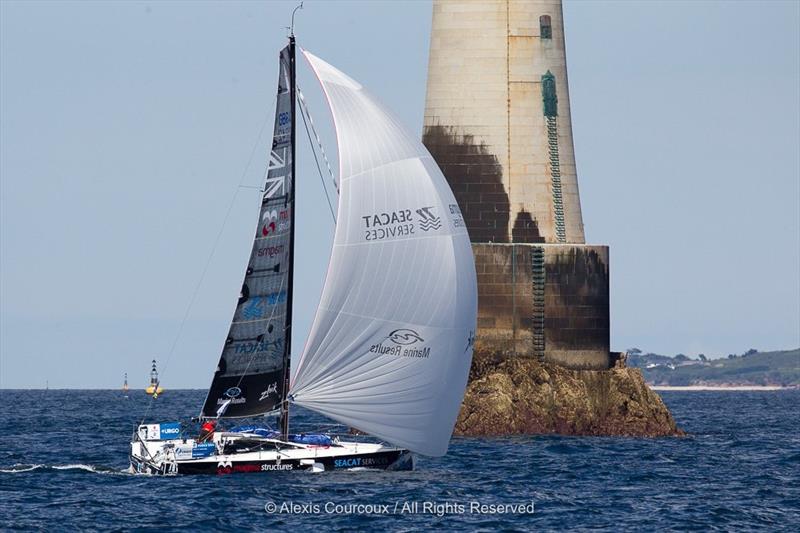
x=127 y=127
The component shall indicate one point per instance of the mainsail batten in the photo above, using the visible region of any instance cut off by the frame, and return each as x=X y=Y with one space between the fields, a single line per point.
x=391 y=344
x=249 y=379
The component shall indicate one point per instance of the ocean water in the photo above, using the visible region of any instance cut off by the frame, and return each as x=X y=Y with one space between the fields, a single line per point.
x=63 y=456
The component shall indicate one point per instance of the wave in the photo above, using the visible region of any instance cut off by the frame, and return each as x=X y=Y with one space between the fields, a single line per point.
x=428 y=225
x=21 y=468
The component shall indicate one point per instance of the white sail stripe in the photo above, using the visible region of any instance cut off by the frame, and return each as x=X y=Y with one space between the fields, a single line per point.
x=379 y=167
x=404 y=423
x=367 y=392
x=442 y=236
x=335 y=380
x=372 y=403
x=339 y=380
x=344 y=379
x=370 y=134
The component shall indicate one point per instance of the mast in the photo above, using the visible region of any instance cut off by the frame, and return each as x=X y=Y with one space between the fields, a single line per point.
x=284 y=419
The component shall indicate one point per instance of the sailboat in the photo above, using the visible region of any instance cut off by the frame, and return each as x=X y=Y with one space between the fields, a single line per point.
x=125 y=384
x=154 y=388
x=390 y=347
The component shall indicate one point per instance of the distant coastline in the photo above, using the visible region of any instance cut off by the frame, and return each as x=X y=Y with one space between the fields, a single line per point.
x=751 y=370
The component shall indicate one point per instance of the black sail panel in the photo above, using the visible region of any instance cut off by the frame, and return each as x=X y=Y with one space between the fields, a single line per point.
x=249 y=376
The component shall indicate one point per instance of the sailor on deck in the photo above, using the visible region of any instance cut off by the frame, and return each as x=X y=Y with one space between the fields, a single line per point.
x=207 y=431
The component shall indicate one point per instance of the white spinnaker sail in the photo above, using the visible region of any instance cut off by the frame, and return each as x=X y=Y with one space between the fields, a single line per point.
x=391 y=345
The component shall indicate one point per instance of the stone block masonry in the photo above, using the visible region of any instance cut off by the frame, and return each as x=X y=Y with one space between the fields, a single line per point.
x=548 y=301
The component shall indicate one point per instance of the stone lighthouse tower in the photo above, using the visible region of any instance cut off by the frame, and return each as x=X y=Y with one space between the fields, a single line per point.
x=497 y=121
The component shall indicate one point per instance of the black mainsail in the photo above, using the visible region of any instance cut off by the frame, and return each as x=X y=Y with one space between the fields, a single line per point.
x=251 y=374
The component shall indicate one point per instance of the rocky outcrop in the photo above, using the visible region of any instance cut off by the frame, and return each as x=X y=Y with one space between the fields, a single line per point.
x=519 y=395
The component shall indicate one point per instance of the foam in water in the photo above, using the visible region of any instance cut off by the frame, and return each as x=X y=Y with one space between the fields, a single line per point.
x=20 y=468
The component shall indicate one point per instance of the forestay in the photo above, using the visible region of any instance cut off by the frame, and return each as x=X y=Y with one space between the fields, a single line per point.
x=249 y=377
x=391 y=345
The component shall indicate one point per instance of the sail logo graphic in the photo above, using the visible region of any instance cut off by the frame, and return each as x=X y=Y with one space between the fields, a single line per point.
x=470 y=340
x=276 y=173
x=273 y=221
x=255 y=309
x=428 y=221
x=360 y=461
x=266 y=467
x=258 y=304
x=405 y=337
x=275 y=346
x=269 y=251
x=232 y=396
x=402 y=345
x=272 y=389
x=388 y=224
x=458 y=218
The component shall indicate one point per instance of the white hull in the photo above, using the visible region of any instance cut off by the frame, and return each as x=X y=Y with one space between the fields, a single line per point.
x=234 y=452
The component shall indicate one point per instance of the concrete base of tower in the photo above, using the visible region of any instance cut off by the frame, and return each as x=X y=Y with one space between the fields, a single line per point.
x=547 y=301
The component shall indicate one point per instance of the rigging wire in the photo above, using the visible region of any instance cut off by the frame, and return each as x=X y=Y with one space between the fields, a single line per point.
x=319 y=170
x=304 y=111
x=199 y=283
x=304 y=106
